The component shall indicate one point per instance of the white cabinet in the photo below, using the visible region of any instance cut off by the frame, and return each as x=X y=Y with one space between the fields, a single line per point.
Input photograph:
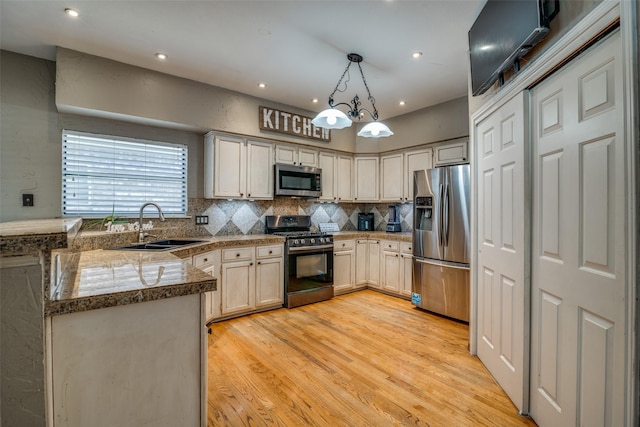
x=373 y=279
x=450 y=153
x=362 y=262
x=209 y=262
x=415 y=160
x=343 y=266
x=392 y=185
x=336 y=176
x=406 y=269
x=269 y=276
x=366 y=179
x=252 y=278
x=294 y=155
x=390 y=266
x=238 y=169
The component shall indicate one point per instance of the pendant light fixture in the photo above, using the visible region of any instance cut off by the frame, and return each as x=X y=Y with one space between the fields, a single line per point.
x=332 y=118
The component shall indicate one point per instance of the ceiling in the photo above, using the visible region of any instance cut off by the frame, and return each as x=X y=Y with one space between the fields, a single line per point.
x=297 y=48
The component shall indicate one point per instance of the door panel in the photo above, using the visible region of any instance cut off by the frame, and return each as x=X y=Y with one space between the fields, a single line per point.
x=502 y=288
x=579 y=235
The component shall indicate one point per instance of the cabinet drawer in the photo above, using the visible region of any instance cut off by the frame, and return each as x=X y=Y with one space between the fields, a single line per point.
x=391 y=246
x=343 y=245
x=237 y=254
x=406 y=248
x=269 y=251
x=203 y=260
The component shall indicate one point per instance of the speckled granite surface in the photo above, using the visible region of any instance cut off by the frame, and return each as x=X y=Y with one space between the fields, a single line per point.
x=382 y=235
x=30 y=236
x=98 y=279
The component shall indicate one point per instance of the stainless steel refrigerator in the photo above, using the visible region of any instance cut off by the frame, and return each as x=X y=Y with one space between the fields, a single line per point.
x=441 y=241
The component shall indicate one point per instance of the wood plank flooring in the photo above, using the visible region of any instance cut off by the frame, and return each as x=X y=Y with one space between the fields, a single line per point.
x=361 y=359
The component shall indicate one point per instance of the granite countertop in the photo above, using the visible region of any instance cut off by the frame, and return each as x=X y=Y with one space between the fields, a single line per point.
x=103 y=278
x=28 y=236
x=406 y=236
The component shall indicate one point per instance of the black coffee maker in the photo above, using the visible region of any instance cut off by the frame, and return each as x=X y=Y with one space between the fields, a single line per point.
x=365 y=222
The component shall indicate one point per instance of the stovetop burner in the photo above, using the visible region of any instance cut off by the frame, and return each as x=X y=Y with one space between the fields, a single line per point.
x=297 y=230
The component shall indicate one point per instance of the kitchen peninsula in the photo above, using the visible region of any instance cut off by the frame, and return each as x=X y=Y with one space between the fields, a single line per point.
x=124 y=334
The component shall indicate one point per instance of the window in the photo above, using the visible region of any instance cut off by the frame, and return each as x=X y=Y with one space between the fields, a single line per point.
x=103 y=174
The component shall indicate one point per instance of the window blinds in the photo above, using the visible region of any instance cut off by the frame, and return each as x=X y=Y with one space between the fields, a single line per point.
x=103 y=174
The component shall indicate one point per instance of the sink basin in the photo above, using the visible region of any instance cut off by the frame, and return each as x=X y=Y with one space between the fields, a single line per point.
x=159 y=245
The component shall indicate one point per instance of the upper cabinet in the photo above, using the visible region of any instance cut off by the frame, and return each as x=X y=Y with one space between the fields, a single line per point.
x=336 y=176
x=396 y=173
x=238 y=169
x=415 y=160
x=366 y=179
x=450 y=153
x=294 y=155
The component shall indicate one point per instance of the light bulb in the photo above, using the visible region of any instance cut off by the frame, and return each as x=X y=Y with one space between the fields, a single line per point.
x=375 y=131
x=332 y=120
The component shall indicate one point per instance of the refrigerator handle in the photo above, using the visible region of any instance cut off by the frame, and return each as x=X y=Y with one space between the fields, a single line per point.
x=445 y=216
x=440 y=219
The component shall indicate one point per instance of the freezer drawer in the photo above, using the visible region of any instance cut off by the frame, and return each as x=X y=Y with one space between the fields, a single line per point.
x=441 y=287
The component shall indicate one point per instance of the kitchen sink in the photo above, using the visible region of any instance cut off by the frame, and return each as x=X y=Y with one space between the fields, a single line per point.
x=159 y=245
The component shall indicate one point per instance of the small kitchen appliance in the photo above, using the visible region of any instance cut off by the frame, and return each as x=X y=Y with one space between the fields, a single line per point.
x=393 y=224
x=365 y=222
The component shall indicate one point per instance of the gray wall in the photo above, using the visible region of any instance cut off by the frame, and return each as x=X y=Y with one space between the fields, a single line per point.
x=99 y=95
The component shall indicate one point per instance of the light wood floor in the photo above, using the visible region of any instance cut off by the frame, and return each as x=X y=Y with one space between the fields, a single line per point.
x=361 y=359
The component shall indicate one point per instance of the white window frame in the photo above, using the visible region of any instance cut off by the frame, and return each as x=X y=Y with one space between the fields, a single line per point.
x=99 y=181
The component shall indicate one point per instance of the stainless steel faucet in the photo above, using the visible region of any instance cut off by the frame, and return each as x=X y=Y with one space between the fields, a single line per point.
x=142 y=234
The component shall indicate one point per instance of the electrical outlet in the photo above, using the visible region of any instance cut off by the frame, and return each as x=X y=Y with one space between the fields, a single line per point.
x=27 y=200
x=202 y=219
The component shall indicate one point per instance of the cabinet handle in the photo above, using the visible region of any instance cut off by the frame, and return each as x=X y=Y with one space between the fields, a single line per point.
x=396 y=254
x=241 y=194
x=249 y=195
x=270 y=252
x=237 y=255
x=206 y=259
x=334 y=198
x=259 y=262
x=250 y=263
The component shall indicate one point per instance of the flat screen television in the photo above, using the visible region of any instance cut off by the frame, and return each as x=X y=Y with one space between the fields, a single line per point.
x=503 y=33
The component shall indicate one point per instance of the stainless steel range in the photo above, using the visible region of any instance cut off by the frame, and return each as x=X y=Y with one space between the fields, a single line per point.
x=308 y=261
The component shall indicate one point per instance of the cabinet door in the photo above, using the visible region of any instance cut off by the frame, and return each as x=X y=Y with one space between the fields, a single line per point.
x=286 y=154
x=406 y=275
x=374 y=263
x=238 y=287
x=447 y=154
x=366 y=177
x=343 y=271
x=413 y=161
x=307 y=157
x=269 y=282
x=362 y=262
x=229 y=170
x=259 y=170
x=391 y=271
x=326 y=162
x=392 y=178
x=343 y=177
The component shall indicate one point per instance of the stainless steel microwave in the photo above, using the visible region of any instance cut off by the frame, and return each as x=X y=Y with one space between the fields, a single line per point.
x=300 y=181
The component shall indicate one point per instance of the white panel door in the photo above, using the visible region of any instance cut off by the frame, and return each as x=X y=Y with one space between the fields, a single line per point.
x=502 y=285
x=259 y=170
x=578 y=263
x=392 y=178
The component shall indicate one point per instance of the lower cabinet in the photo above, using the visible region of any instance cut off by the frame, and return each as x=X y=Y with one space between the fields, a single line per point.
x=386 y=265
x=406 y=269
x=344 y=266
x=249 y=279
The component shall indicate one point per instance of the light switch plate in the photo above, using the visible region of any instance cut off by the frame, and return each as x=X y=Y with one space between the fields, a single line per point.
x=202 y=219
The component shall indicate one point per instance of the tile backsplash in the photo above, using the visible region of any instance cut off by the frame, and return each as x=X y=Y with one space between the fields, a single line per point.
x=235 y=217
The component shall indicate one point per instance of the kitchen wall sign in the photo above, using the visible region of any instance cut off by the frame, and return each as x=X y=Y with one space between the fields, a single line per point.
x=291 y=124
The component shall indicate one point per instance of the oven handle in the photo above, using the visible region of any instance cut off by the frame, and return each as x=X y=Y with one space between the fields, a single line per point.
x=309 y=248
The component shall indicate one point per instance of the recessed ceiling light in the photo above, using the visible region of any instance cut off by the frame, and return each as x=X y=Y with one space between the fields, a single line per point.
x=416 y=55
x=314 y=100
x=161 y=56
x=401 y=103
x=262 y=85
x=72 y=12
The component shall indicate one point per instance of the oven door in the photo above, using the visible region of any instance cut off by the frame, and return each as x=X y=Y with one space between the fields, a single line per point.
x=309 y=268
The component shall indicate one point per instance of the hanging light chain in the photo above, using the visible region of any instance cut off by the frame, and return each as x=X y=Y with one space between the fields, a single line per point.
x=371 y=98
